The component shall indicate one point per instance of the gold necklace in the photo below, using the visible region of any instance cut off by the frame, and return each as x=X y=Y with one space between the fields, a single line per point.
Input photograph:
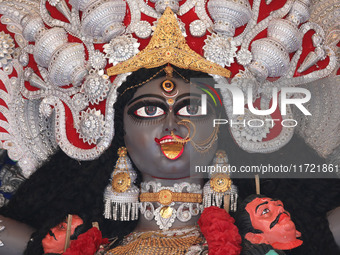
x=166 y=197
x=159 y=242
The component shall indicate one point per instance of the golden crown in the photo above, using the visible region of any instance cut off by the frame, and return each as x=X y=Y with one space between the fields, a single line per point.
x=168 y=46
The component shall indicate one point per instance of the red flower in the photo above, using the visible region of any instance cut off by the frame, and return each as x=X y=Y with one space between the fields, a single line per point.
x=87 y=243
x=220 y=232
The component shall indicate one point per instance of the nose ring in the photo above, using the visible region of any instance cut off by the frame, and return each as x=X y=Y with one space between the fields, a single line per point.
x=187 y=138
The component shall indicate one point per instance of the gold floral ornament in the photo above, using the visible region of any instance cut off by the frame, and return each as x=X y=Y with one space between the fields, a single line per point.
x=121 y=182
x=122 y=151
x=168 y=46
x=220 y=182
x=166 y=197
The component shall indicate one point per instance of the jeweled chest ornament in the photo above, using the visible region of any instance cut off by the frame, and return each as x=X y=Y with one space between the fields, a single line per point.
x=184 y=195
x=166 y=197
x=174 y=241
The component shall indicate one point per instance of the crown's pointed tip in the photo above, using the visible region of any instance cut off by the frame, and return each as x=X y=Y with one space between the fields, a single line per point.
x=166 y=44
x=168 y=11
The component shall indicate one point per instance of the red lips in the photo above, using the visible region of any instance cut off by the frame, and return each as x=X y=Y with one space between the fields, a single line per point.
x=167 y=137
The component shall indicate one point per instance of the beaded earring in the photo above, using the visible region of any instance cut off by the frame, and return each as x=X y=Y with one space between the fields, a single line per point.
x=121 y=197
x=220 y=189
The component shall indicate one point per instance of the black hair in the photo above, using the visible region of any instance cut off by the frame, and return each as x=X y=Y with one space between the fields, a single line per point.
x=65 y=186
x=80 y=230
x=242 y=218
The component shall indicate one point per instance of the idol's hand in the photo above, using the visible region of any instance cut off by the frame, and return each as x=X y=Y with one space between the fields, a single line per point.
x=334 y=224
x=2 y=227
x=14 y=236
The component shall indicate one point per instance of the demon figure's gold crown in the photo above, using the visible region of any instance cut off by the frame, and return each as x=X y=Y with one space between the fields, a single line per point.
x=168 y=46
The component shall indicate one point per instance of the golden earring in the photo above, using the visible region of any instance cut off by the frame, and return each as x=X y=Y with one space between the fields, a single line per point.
x=220 y=189
x=121 y=180
x=121 y=197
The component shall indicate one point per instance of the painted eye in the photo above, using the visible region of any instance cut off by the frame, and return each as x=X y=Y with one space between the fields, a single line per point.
x=265 y=211
x=149 y=111
x=190 y=110
x=62 y=226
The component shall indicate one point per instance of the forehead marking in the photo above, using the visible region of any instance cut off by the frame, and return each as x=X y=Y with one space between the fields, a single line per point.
x=170 y=95
x=168 y=86
x=170 y=101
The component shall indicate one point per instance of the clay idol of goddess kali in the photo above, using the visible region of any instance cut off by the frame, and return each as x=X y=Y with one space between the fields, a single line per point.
x=109 y=107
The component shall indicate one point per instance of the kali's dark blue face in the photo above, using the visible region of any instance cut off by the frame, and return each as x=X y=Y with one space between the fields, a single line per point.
x=158 y=108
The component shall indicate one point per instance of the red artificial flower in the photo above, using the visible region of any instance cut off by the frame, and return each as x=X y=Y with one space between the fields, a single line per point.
x=220 y=232
x=87 y=243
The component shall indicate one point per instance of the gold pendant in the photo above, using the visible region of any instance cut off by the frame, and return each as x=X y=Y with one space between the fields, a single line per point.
x=165 y=197
x=165 y=212
x=220 y=183
x=121 y=182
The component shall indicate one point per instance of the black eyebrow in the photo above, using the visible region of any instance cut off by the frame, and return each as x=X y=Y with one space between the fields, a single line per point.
x=188 y=94
x=146 y=95
x=194 y=94
x=163 y=99
x=52 y=234
x=257 y=207
x=277 y=200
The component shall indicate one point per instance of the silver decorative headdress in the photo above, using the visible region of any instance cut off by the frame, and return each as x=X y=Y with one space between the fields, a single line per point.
x=52 y=67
